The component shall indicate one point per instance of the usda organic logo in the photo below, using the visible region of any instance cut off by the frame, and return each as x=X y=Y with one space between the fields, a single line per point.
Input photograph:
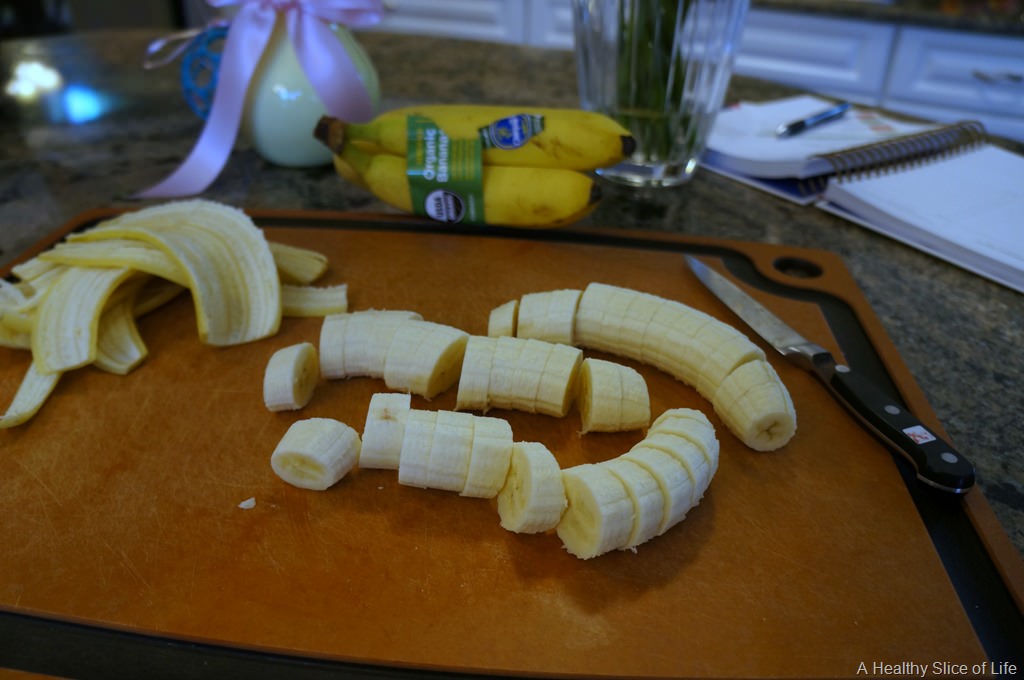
x=444 y=206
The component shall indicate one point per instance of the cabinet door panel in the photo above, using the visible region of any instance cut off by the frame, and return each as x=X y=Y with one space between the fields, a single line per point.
x=836 y=56
x=968 y=71
x=490 y=20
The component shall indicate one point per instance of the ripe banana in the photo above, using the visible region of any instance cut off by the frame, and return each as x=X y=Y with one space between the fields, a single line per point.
x=384 y=430
x=313 y=300
x=290 y=377
x=512 y=196
x=516 y=373
x=718 y=360
x=533 y=497
x=315 y=453
x=569 y=138
x=611 y=397
x=453 y=451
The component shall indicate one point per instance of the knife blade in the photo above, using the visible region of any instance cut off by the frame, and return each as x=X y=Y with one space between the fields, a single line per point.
x=935 y=461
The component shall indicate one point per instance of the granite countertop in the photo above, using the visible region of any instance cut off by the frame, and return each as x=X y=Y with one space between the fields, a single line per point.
x=959 y=334
x=982 y=16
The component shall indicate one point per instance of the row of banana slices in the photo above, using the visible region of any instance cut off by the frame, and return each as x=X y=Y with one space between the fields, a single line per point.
x=594 y=508
x=531 y=361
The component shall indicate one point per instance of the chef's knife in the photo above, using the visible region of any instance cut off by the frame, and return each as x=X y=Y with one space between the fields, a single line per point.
x=937 y=463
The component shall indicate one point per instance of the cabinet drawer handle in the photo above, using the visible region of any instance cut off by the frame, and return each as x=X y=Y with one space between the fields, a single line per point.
x=1005 y=76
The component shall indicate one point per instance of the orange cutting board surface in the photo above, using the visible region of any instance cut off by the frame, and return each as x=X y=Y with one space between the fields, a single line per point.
x=120 y=505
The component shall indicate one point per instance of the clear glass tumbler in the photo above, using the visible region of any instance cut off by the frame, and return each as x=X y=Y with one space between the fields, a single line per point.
x=661 y=68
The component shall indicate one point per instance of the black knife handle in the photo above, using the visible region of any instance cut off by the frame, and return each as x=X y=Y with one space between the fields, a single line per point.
x=937 y=463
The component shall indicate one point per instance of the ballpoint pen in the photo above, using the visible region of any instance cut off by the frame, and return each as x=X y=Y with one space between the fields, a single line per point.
x=797 y=126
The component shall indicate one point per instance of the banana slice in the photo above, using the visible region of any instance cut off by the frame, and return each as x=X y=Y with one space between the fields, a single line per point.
x=533 y=497
x=290 y=377
x=599 y=513
x=489 y=459
x=475 y=379
x=755 y=405
x=451 y=448
x=424 y=358
x=316 y=453
x=384 y=431
x=548 y=316
x=502 y=320
x=119 y=347
x=414 y=458
x=645 y=494
x=693 y=425
x=612 y=397
x=313 y=300
x=673 y=480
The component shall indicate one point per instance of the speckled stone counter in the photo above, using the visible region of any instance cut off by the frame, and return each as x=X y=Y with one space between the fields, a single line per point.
x=960 y=335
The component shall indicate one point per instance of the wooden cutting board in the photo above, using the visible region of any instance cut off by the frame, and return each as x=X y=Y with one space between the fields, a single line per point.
x=120 y=500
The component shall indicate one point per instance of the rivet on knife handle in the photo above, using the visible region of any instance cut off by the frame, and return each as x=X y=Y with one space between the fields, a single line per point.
x=937 y=463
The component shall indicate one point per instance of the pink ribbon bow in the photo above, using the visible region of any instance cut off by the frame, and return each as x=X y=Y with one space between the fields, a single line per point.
x=322 y=56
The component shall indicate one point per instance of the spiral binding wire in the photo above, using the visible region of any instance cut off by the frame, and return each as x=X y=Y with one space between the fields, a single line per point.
x=900 y=153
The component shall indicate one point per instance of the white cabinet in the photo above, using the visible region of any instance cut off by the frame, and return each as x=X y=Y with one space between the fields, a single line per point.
x=948 y=75
x=489 y=20
x=838 y=57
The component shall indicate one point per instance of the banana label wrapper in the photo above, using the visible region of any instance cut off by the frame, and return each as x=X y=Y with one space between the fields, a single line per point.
x=445 y=175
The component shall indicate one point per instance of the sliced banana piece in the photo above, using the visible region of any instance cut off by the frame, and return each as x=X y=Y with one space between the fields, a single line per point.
x=755 y=405
x=475 y=378
x=490 y=457
x=502 y=320
x=290 y=378
x=316 y=453
x=384 y=430
x=673 y=480
x=414 y=458
x=424 y=357
x=694 y=426
x=645 y=494
x=612 y=397
x=549 y=315
x=451 y=448
x=599 y=512
x=533 y=497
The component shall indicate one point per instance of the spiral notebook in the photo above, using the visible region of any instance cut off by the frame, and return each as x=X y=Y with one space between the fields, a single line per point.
x=939 y=188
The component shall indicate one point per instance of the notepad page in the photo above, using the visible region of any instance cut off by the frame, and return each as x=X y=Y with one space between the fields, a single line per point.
x=967 y=209
x=744 y=140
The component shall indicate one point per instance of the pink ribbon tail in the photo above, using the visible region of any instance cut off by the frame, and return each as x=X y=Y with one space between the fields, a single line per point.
x=246 y=40
x=329 y=68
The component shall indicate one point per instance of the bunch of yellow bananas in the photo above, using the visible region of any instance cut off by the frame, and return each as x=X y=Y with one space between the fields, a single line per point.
x=535 y=162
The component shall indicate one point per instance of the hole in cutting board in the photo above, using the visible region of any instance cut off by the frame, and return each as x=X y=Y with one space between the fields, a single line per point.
x=797 y=267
